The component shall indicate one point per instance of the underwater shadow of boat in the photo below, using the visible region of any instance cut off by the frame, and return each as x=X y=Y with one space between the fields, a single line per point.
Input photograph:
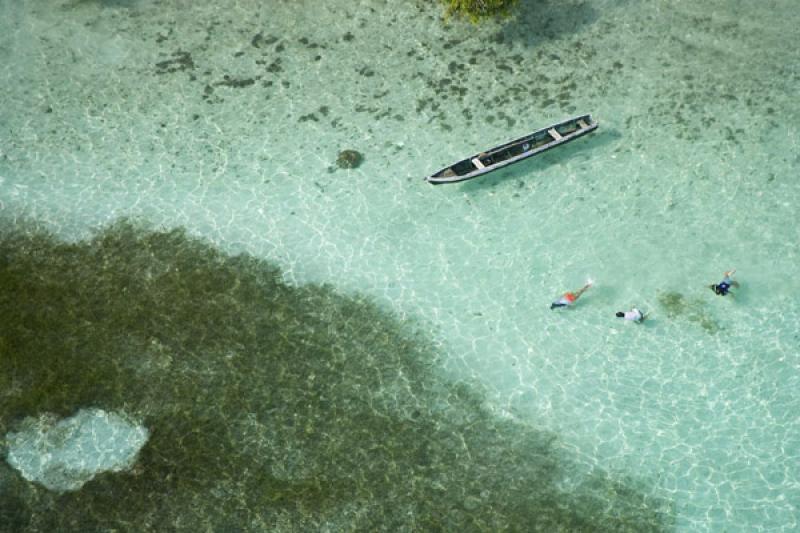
x=523 y=169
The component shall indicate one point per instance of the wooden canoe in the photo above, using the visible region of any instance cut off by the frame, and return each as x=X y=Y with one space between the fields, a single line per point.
x=511 y=152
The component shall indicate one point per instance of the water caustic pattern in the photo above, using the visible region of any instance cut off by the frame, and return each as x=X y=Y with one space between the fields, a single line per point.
x=269 y=407
x=229 y=120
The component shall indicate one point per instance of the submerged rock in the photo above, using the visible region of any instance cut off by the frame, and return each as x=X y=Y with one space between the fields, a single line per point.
x=349 y=159
x=63 y=455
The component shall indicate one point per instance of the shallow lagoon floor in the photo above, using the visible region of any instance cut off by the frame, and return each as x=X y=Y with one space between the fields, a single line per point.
x=225 y=122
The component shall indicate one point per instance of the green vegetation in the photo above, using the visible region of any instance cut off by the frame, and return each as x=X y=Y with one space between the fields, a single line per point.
x=270 y=407
x=479 y=9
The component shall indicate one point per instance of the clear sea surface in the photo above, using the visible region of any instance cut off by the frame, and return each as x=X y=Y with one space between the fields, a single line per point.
x=226 y=119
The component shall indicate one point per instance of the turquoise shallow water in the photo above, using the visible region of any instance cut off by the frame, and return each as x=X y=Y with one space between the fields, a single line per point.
x=227 y=119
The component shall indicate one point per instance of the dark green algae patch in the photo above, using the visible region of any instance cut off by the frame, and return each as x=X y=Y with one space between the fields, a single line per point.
x=676 y=305
x=270 y=407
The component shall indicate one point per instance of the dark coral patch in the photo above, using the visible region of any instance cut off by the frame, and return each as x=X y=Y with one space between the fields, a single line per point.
x=180 y=61
x=349 y=159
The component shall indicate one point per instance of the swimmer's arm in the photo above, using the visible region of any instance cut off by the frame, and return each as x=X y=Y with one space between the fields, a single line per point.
x=582 y=290
x=729 y=274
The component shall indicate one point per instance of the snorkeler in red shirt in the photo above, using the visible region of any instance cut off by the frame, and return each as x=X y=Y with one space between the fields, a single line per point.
x=569 y=298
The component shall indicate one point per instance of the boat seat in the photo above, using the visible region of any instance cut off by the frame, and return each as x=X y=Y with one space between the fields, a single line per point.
x=477 y=163
x=554 y=134
x=582 y=124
